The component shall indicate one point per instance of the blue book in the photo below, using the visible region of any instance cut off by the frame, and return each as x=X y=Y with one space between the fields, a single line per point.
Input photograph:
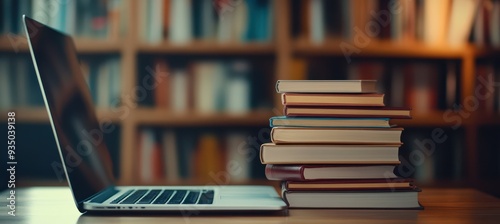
x=328 y=122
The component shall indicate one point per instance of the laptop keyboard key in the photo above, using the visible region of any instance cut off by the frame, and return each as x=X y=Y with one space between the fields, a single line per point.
x=192 y=197
x=206 y=198
x=164 y=196
x=149 y=197
x=178 y=197
x=133 y=198
x=104 y=196
x=121 y=197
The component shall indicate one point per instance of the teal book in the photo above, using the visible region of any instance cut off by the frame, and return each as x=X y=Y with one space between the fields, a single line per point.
x=329 y=122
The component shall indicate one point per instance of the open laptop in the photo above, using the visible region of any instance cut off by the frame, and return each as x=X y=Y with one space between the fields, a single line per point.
x=88 y=169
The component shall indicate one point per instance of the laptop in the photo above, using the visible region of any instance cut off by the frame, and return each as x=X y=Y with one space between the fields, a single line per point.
x=87 y=164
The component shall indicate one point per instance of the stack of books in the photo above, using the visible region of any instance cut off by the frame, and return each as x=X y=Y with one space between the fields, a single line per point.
x=336 y=148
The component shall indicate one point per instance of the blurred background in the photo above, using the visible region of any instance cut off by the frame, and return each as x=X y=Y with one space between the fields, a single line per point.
x=188 y=86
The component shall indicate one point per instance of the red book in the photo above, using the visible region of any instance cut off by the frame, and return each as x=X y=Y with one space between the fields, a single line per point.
x=325 y=172
x=367 y=112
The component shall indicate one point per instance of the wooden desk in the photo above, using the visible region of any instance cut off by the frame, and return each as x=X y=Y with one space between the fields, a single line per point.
x=55 y=205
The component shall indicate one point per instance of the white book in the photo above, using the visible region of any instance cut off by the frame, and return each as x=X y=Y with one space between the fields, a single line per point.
x=237 y=94
x=317 y=22
x=171 y=158
x=70 y=17
x=208 y=86
x=461 y=19
x=114 y=83
x=180 y=90
x=238 y=154
x=143 y=7
x=40 y=11
x=435 y=16
x=156 y=21
x=180 y=21
x=147 y=141
x=495 y=24
x=239 y=21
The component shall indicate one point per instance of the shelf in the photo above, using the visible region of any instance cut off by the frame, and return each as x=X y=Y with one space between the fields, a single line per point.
x=206 y=47
x=19 y=44
x=39 y=115
x=380 y=48
x=146 y=116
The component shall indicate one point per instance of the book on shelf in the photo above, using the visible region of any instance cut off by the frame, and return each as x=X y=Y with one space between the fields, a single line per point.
x=104 y=79
x=323 y=99
x=208 y=159
x=284 y=121
x=348 y=184
x=18 y=83
x=326 y=86
x=237 y=154
x=163 y=78
x=366 y=112
x=170 y=155
x=182 y=21
x=325 y=172
x=369 y=199
x=271 y=153
x=146 y=148
x=461 y=20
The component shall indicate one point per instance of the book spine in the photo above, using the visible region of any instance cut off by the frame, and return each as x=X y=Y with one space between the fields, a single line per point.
x=274 y=172
x=278 y=86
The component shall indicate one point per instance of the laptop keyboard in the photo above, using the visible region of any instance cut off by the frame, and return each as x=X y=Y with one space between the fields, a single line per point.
x=158 y=196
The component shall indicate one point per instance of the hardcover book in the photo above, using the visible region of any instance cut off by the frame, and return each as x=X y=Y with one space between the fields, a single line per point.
x=285 y=135
x=328 y=154
x=366 y=112
x=323 y=99
x=283 y=121
x=326 y=86
x=325 y=172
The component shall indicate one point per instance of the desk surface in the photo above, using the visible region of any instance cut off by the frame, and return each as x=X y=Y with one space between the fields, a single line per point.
x=55 y=205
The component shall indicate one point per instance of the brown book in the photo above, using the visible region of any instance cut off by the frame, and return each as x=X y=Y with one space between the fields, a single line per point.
x=387 y=112
x=328 y=172
x=329 y=154
x=368 y=199
x=349 y=184
x=326 y=86
x=329 y=122
x=308 y=99
x=162 y=78
x=284 y=135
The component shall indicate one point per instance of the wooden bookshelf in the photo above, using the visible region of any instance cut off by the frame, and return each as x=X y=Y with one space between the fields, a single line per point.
x=19 y=44
x=381 y=48
x=207 y=47
x=283 y=49
x=39 y=115
x=191 y=118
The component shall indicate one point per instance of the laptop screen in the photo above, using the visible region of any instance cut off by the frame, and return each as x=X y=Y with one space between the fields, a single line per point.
x=76 y=130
